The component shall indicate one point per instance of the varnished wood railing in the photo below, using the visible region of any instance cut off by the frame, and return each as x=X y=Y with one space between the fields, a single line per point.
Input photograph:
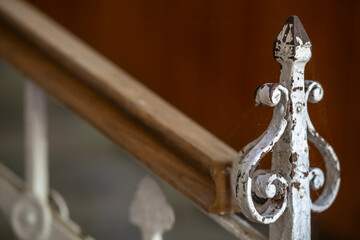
x=173 y=146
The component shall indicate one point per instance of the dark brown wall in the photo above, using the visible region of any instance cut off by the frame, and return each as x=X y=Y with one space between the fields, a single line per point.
x=207 y=57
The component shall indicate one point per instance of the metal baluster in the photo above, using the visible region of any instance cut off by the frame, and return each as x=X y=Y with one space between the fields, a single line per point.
x=31 y=216
x=285 y=188
x=150 y=210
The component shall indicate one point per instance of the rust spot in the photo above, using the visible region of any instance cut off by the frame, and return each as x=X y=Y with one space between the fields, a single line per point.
x=278 y=200
x=292 y=173
x=297 y=186
x=297 y=89
x=293 y=157
x=293 y=124
x=288 y=110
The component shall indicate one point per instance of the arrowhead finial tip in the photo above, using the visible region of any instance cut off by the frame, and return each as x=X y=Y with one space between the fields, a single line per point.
x=292 y=36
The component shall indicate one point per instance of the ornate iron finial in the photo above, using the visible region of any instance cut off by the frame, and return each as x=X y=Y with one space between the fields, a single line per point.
x=281 y=196
x=150 y=210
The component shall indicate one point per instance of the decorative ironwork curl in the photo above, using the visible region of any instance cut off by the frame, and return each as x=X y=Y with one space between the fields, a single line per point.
x=283 y=193
x=268 y=185
x=314 y=93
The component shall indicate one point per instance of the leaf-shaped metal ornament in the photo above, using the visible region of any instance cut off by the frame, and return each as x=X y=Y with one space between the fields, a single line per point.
x=150 y=210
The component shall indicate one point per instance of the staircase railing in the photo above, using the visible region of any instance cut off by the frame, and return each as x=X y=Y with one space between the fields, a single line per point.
x=174 y=147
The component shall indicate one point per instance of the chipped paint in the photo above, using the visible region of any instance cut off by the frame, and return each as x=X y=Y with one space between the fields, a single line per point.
x=288 y=183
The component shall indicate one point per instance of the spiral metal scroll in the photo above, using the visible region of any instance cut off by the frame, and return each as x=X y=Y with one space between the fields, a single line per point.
x=31 y=218
x=314 y=94
x=271 y=186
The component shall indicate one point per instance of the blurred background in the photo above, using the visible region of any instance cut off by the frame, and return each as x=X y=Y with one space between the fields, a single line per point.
x=206 y=58
x=97 y=179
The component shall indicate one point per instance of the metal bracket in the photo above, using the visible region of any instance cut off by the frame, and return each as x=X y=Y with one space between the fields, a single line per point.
x=285 y=189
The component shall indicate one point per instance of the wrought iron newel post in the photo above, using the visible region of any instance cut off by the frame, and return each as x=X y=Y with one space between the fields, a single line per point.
x=285 y=189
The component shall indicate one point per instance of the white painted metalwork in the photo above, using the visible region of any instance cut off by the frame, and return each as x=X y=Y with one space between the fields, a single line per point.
x=281 y=196
x=32 y=215
x=12 y=188
x=150 y=210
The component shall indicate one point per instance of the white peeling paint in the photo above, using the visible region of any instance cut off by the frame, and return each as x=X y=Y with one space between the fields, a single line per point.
x=286 y=187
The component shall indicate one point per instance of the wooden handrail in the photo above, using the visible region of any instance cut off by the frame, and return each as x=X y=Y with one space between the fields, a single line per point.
x=173 y=146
